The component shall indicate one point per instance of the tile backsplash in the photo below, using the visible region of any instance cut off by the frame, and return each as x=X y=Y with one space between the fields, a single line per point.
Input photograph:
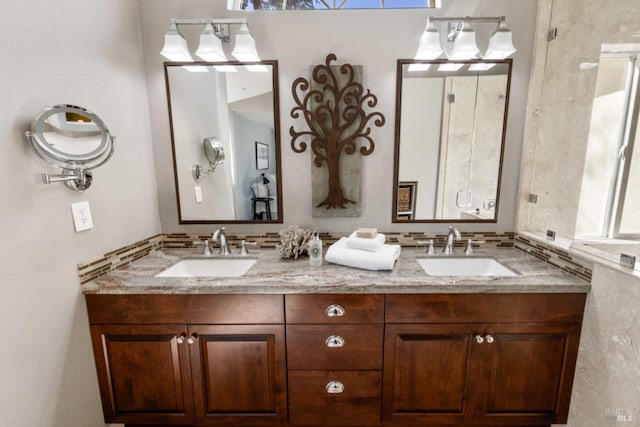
x=555 y=256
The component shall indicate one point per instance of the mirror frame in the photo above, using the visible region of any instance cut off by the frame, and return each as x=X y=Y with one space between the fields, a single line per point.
x=396 y=150
x=276 y=130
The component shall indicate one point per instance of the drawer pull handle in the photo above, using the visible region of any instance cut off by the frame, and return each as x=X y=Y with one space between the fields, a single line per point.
x=335 y=310
x=192 y=339
x=180 y=339
x=335 y=387
x=489 y=339
x=334 y=341
x=479 y=339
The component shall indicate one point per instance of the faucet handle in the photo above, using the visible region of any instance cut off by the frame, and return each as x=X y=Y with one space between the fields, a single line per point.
x=428 y=244
x=243 y=246
x=207 y=248
x=469 y=249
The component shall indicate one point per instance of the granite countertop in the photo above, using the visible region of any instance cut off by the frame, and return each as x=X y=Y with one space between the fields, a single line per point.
x=271 y=275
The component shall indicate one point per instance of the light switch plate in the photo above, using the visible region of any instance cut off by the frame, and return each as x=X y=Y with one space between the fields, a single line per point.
x=81 y=216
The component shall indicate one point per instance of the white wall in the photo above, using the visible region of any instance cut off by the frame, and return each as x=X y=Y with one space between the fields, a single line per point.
x=374 y=39
x=86 y=53
x=420 y=148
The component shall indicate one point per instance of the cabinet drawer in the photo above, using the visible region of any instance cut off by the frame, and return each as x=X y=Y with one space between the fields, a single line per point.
x=334 y=347
x=328 y=308
x=207 y=309
x=357 y=404
x=485 y=308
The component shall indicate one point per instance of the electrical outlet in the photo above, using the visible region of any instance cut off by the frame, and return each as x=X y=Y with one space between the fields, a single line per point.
x=81 y=216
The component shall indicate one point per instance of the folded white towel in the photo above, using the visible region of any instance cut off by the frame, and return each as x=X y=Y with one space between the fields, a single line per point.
x=383 y=259
x=365 y=244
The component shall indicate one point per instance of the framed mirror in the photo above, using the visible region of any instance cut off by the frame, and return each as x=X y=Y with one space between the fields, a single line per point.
x=451 y=119
x=224 y=110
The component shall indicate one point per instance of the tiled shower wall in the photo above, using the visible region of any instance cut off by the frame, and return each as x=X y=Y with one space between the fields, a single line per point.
x=559 y=105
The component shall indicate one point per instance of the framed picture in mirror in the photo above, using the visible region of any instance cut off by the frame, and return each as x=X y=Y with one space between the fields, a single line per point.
x=262 y=156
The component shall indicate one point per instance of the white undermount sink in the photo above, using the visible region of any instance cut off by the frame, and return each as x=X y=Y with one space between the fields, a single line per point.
x=463 y=266
x=209 y=267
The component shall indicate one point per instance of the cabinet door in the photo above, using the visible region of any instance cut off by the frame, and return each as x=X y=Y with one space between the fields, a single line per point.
x=429 y=374
x=144 y=373
x=527 y=374
x=239 y=374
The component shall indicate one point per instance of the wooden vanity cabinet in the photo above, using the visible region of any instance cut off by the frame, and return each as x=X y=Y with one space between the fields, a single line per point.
x=501 y=359
x=180 y=359
x=349 y=360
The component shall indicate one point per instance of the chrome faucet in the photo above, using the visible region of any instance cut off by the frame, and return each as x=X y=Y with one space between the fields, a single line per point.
x=453 y=234
x=224 y=247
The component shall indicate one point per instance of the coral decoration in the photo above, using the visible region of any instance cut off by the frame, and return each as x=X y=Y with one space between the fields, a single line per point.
x=294 y=241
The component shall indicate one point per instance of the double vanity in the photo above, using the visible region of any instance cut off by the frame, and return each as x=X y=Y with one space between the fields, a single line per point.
x=278 y=342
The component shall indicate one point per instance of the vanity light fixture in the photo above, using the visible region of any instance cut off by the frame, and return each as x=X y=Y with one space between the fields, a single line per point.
x=216 y=31
x=500 y=43
x=175 y=46
x=245 y=49
x=463 y=37
x=210 y=48
x=429 y=47
x=464 y=45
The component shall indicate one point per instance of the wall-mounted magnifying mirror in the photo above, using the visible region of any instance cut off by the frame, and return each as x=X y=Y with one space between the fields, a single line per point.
x=238 y=103
x=214 y=152
x=449 y=140
x=73 y=139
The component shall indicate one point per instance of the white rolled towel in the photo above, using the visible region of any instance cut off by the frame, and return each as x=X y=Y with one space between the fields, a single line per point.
x=365 y=244
x=383 y=259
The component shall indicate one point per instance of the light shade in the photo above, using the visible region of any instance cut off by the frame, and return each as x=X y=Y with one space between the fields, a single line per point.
x=464 y=46
x=429 y=46
x=245 y=48
x=175 y=46
x=210 y=48
x=500 y=43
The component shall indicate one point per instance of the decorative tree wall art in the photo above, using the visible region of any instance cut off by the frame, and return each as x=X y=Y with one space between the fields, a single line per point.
x=334 y=106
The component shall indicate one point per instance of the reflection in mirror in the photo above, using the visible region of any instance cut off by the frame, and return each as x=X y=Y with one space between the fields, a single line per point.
x=236 y=109
x=249 y=5
x=450 y=125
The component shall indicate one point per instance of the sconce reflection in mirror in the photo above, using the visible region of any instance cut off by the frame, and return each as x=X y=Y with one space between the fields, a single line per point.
x=214 y=152
x=73 y=139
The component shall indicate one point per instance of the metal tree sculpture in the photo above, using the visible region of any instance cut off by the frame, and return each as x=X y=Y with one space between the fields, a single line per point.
x=336 y=121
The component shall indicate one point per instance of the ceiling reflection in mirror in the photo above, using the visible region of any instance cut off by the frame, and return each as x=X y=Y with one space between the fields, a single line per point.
x=450 y=127
x=229 y=107
x=251 y=5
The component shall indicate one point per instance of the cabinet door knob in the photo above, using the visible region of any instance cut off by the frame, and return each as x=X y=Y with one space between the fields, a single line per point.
x=192 y=338
x=479 y=339
x=335 y=310
x=334 y=341
x=180 y=339
x=489 y=339
x=335 y=387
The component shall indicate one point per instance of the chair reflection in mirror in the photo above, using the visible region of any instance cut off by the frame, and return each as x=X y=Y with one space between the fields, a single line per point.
x=264 y=201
